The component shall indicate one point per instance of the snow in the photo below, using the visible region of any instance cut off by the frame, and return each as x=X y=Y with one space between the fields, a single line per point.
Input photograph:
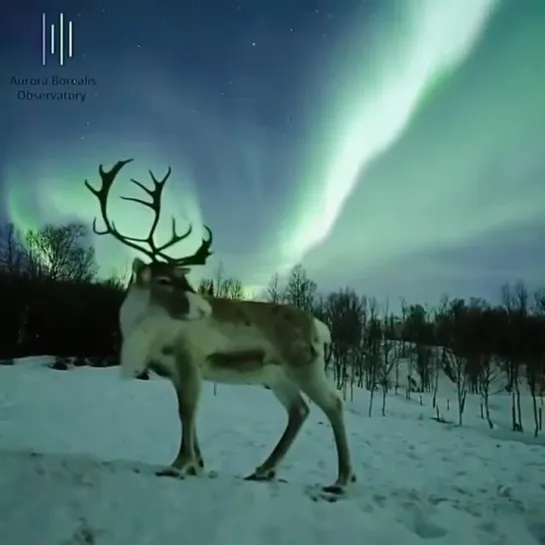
x=78 y=451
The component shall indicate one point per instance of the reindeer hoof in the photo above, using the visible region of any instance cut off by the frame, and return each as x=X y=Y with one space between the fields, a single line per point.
x=269 y=475
x=170 y=471
x=340 y=486
x=338 y=489
x=180 y=470
x=334 y=489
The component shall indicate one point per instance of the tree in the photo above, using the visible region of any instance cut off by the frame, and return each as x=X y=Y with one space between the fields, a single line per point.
x=419 y=331
x=372 y=350
x=475 y=336
x=300 y=289
x=407 y=340
x=344 y=313
x=391 y=356
x=539 y=297
x=233 y=289
x=13 y=256
x=488 y=322
x=441 y=332
x=61 y=252
x=458 y=350
x=206 y=287
x=221 y=286
x=534 y=347
x=274 y=292
x=515 y=302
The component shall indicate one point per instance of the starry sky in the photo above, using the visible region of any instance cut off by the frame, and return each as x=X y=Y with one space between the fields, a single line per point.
x=395 y=146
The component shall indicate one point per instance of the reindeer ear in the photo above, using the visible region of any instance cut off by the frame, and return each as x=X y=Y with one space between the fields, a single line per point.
x=137 y=265
x=180 y=272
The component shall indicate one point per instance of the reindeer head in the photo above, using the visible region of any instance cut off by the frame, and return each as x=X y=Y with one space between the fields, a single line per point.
x=165 y=286
x=162 y=282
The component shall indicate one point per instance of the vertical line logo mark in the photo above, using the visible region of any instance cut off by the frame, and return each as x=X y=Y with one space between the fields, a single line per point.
x=57 y=36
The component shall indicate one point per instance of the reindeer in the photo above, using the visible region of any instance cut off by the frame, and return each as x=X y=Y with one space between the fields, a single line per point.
x=168 y=327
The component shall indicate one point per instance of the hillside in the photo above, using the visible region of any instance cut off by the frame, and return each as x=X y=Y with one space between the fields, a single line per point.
x=79 y=448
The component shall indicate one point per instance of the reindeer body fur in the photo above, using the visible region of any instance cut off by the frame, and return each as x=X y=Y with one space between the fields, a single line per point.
x=278 y=334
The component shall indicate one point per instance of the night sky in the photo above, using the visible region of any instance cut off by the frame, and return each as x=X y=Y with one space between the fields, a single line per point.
x=393 y=146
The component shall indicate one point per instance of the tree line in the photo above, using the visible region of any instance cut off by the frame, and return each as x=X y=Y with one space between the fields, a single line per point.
x=54 y=303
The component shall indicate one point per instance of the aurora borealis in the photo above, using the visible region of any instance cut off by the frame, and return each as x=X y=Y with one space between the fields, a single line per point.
x=392 y=145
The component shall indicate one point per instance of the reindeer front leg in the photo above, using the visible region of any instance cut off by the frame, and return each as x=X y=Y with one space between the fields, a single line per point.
x=189 y=460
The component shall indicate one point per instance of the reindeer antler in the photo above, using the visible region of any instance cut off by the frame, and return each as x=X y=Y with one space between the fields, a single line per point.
x=154 y=252
x=199 y=257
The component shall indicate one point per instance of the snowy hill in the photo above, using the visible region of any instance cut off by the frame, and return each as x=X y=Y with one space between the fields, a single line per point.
x=78 y=451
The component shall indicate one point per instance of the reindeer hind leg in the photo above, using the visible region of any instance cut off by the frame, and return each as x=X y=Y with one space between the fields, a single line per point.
x=289 y=396
x=314 y=383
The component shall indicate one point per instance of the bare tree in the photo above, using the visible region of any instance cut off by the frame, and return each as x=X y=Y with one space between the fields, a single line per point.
x=400 y=349
x=540 y=310
x=300 y=289
x=218 y=281
x=515 y=301
x=61 y=252
x=534 y=347
x=373 y=345
x=274 y=292
x=459 y=368
x=406 y=346
x=442 y=335
x=206 y=287
x=458 y=352
x=390 y=354
x=219 y=276
x=222 y=286
x=232 y=288
x=419 y=331
x=487 y=323
x=539 y=301
x=344 y=313
x=487 y=377
x=13 y=255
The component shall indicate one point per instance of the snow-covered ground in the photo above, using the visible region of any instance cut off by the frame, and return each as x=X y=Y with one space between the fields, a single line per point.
x=78 y=451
